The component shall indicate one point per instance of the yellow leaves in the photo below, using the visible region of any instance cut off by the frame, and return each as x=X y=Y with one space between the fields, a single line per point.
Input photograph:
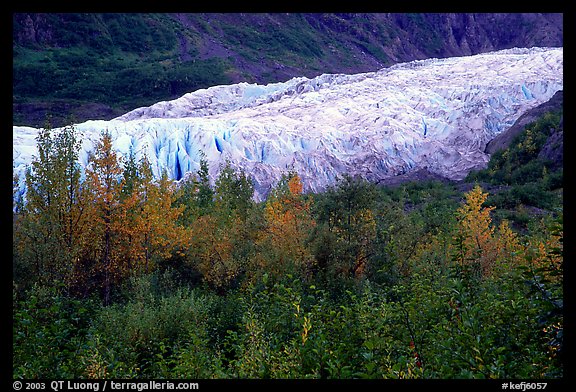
x=474 y=219
x=213 y=247
x=132 y=223
x=509 y=244
x=528 y=144
x=306 y=322
x=483 y=245
x=306 y=327
x=365 y=225
x=497 y=250
x=545 y=254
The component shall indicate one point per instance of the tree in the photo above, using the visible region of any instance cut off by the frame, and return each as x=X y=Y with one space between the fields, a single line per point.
x=130 y=174
x=135 y=222
x=196 y=195
x=104 y=177
x=347 y=209
x=288 y=226
x=233 y=193
x=205 y=195
x=222 y=237
x=480 y=245
x=51 y=225
x=157 y=231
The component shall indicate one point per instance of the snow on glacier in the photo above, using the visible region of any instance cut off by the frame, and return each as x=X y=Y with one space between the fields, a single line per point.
x=437 y=114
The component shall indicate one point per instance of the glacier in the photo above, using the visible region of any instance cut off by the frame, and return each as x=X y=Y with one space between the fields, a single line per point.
x=434 y=114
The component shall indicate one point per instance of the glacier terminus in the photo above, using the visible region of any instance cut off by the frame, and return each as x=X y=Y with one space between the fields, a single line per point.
x=434 y=114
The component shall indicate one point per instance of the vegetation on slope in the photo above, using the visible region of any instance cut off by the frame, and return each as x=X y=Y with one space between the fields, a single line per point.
x=102 y=65
x=526 y=177
x=120 y=276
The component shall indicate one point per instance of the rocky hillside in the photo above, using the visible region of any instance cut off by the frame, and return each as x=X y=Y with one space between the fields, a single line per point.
x=98 y=66
x=504 y=139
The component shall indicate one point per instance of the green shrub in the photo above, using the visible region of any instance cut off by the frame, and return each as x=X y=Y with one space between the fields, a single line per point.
x=143 y=333
x=49 y=331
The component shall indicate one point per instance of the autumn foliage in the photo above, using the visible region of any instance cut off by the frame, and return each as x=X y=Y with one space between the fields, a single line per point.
x=288 y=222
x=121 y=273
x=102 y=234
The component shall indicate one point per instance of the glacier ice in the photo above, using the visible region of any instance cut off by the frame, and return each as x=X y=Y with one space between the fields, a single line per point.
x=437 y=114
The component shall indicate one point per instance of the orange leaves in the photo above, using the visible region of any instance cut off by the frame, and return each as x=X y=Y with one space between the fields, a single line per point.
x=131 y=227
x=295 y=186
x=289 y=214
x=288 y=222
x=153 y=232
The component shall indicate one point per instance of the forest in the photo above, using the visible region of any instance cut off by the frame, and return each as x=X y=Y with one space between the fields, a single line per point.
x=117 y=274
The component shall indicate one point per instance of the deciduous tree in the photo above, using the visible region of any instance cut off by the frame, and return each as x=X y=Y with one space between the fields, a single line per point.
x=288 y=227
x=51 y=223
x=104 y=177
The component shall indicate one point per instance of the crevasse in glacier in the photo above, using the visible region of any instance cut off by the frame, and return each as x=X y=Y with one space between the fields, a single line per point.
x=437 y=114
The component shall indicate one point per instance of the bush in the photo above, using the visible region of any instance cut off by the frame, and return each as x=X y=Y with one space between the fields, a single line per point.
x=142 y=334
x=49 y=331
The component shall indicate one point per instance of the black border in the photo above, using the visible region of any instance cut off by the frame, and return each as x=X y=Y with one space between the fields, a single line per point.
x=356 y=6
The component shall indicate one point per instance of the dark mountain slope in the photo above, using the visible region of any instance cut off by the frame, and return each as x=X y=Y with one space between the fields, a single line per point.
x=503 y=140
x=101 y=65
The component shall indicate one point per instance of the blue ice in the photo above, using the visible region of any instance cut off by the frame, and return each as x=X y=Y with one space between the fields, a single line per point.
x=527 y=92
